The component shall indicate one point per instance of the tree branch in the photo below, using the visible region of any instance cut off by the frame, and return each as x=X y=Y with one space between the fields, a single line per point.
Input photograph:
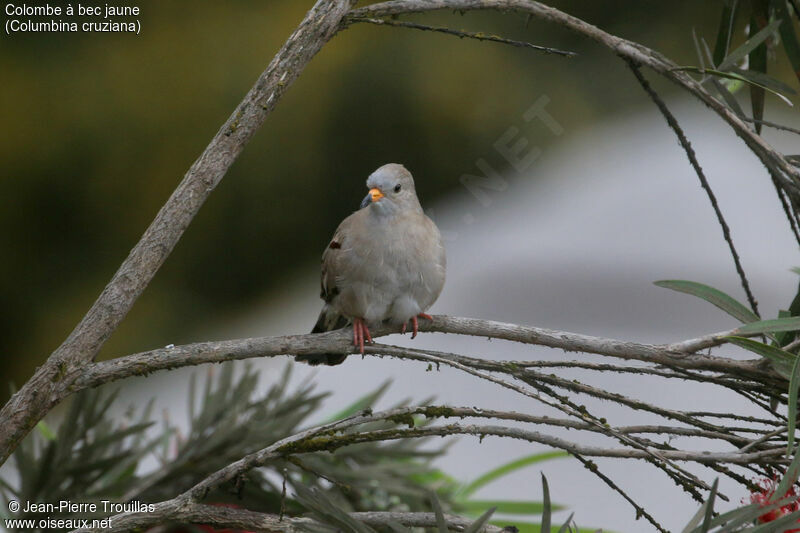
x=680 y=355
x=465 y=34
x=242 y=519
x=330 y=437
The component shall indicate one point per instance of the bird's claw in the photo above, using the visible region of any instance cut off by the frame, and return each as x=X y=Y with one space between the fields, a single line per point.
x=360 y=330
x=414 y=324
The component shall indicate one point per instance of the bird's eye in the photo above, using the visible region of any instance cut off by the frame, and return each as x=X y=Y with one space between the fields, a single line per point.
x=397 y=188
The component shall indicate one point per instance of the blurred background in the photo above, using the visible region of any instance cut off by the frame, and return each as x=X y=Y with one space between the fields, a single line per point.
x=101 y=128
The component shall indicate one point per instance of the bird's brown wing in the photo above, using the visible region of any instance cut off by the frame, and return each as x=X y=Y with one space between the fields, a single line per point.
x=329 y=318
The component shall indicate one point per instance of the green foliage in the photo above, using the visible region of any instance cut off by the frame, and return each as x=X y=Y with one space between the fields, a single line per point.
x=714 y=296
x=92 y=456
x=771 y=25
x=745 y=519
x=329 y=518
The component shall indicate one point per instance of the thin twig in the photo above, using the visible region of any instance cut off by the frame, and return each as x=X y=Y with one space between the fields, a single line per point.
x=687 y=146
x=322 y=439
x=463 y=34
x=640 y=511
x=771 y=125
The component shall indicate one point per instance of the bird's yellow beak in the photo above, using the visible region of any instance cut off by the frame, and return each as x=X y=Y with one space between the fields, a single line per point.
x=375 y=194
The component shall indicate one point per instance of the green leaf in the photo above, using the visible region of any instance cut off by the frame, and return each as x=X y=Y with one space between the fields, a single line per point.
x=790 y=476
x=784 y=338
x=793 y=384
x=711 y=295
x=773 y=325
x=710 y=507
x=752 y=78
x=749 y=45
x=706 y=513
x=695 y=520
x=788 y=37
x=738 y=517
x=757 y=59
x=360 y=404
x=504 y=506
x=547 y=508
x=782 y=360
x=441 y=523
x=45 y=430
x=725 y=29
x=768 y=82
x=507 y=468
x=478 y=524
x=565 y=527
x=728 y=97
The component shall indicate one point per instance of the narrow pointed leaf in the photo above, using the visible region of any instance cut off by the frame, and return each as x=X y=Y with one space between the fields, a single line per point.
x=749 y=45
x=773 y=85
x=723 y=42
x=547 y=509
x=752 y=78
x=790 y=476
x=695 y=520
x=788 y=37
x=782 y=360
x=478 y=524
x=505 y=506
x=730 y=100
x=507 y=468
x=711 y=295
x=792 y=414
x=757 y=59
x=710 y=507
x=361 y=403
x=565 y=526
x=698 y=50
x=773 y=325
x=441 y=523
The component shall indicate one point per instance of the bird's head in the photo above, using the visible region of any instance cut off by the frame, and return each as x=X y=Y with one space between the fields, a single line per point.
x=391 y=190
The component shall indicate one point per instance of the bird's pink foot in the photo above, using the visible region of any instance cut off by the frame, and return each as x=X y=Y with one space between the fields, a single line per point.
x=360 y=331
x=414 y=325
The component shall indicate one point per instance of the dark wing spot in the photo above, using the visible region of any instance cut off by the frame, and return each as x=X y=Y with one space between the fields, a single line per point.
x=335 y=245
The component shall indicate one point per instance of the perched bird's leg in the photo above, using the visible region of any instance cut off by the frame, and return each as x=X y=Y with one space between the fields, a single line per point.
x=360 y=330
x=415 y=326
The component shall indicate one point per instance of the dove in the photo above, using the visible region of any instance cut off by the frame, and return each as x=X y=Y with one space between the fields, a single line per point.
x=384 y=265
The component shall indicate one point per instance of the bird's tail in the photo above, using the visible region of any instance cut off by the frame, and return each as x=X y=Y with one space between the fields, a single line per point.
x=329 y=320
